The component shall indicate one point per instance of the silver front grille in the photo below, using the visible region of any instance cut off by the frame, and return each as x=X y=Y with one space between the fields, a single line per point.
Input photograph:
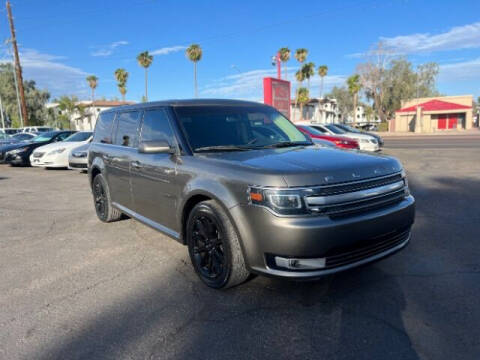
x=354 y=198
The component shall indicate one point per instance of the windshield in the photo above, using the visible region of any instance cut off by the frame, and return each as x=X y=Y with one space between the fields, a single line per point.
x=335 y=129
x=348 y=128
x=44 y=137
x=80 y=136
x=237 y=127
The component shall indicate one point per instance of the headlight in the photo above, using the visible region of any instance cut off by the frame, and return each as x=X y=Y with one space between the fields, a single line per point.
x=405 y=180
x=373 y=141
x=283 y=202
x=57 y=151
x=80 y=154
x=18 y=151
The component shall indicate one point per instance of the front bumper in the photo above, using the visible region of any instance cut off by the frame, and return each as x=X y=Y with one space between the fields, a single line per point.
x=51 y=161
x=368 y=146
x=78 y=163
x=371 y=236
x=17 y=159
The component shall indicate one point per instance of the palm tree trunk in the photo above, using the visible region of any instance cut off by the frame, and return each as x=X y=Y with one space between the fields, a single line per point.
x=321 y=87
x=285 y=71
x=195 y=78
x=146 y=84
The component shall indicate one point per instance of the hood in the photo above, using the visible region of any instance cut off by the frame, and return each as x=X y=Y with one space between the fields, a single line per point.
x=358 y=136
x=83 y=147
x=308 y=166
x=61 y=144
x=8 y=147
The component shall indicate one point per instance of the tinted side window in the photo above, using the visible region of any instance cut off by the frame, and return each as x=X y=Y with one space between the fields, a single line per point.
x=127 y=125
x=103 y=128
x=156 y=126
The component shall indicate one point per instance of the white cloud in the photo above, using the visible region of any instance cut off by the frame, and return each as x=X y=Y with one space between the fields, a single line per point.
x=249 y=85
x=466 y=70
x=107 y=50
x=50 y=74
x=167 y=50
x=459 y=37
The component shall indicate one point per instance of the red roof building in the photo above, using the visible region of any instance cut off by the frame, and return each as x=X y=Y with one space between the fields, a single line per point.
x=434 y=114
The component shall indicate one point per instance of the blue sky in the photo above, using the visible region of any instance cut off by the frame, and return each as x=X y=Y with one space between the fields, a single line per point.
x=61 y=42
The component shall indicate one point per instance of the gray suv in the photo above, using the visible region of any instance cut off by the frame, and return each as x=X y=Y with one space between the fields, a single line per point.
x=246 y=191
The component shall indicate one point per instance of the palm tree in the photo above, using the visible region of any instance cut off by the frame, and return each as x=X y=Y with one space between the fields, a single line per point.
x=92 y=82
x=301 y=55
x=121 y=75
x=194 y=53
x=303 y=98
x=309 y=70
x=354 y=86
x=123 y=90
x=300 y=76
x=284 y=57
x=145 y=60
x=322 y=72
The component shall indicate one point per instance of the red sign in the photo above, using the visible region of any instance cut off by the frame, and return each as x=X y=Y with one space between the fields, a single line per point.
x=276 y=93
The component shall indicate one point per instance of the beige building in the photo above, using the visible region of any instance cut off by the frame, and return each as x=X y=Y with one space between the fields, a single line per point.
x=318 y=110
x=434 y=114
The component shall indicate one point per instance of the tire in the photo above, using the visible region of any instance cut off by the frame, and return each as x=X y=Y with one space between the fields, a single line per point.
x=102 y=200
x=214 y=247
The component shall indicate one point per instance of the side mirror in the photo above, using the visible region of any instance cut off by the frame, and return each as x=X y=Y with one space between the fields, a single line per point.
x=155 y=147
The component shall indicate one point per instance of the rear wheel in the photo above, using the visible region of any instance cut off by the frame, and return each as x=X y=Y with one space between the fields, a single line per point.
x=101 y=198
x=214 y=247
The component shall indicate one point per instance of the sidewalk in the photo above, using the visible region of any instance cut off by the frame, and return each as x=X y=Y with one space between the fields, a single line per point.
x=470 y=132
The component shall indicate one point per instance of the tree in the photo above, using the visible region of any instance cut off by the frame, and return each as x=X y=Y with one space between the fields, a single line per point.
x=194 y=54
x=300 y=76
x=145 y=60
x=354 y=86
x=284 y=57
x=35 y=99
x=121 y=75
x=303 y=98
x=308 y=70
x=301 y=55
x=67 y=106
x=322 y=72
x=93 y=83
x=344 y=100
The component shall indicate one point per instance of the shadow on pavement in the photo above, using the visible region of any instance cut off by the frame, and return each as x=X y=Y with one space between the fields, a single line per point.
x=360 y=314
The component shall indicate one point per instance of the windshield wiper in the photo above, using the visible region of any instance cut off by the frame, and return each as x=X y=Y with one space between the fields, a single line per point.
x=286 y=144
x=221 y=148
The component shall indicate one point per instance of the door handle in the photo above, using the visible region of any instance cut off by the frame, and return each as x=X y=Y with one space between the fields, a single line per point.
x=136 y=165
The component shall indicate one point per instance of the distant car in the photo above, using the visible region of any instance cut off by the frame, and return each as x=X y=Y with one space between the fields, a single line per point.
x=324 y=143
x=14 y=139
x=10 y=131
x=37 y=129
x=78 y=158
x=351 y=129
x=55 y=155
x=19 y=154
x=338 y=141
x=365 y=142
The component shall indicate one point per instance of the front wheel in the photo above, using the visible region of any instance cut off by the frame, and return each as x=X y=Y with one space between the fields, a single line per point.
x=214 y=247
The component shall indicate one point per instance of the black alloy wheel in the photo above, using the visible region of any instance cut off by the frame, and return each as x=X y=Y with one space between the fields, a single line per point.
x=99 y=197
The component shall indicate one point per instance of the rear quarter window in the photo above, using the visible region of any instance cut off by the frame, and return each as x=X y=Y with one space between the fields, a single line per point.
x=103 y=128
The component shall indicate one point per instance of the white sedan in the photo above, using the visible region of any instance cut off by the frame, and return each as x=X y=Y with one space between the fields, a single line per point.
x=55 y=155
x=365 y=142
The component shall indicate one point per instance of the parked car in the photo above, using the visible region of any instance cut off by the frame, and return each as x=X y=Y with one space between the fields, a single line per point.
x=339 y=141
x=351 y=129
x=247 y=195
x=19 y=154
x=16 y=138
x=55 y=155
x=78 y=158
x=10 y=131
x=365 y=142
x=37 y=129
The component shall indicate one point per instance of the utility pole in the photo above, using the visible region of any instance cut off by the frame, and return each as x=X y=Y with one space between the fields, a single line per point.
x=17 y=66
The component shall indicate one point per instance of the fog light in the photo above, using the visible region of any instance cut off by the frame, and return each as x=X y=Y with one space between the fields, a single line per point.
x=300 y=264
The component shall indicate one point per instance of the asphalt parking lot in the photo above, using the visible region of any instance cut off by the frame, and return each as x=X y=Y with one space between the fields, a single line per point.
x=74 y=288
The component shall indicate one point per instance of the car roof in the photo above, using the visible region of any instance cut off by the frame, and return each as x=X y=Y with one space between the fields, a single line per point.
x=186 y=102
